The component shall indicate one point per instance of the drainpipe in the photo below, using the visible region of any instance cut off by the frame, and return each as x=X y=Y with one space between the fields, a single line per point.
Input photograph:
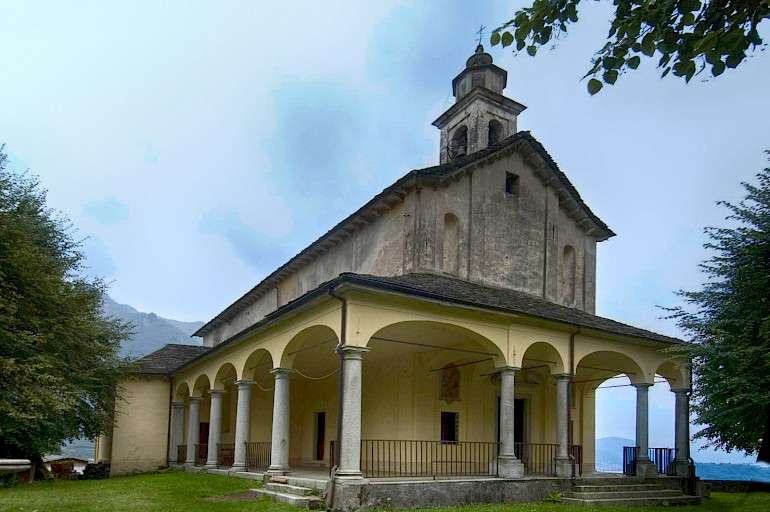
x=168 y=428
x=340 y=391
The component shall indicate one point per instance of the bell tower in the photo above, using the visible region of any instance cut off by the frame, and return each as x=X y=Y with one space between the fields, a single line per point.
x=481 y=115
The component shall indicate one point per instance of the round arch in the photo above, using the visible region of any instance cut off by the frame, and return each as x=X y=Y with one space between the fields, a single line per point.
x=201 y=385
x=259 y=363
x=427 y=334
x=317 y=339
x=676 y=372
x=542 y=353
x=182 y=391
x=605 y=364
x=225 y=375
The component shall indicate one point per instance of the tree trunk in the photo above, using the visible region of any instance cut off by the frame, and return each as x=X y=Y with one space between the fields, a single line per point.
x=764 y=449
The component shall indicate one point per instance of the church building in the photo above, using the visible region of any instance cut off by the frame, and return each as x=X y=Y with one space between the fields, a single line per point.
x=438 y=346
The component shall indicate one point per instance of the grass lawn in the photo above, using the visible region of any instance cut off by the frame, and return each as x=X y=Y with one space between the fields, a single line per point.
x=191 y=492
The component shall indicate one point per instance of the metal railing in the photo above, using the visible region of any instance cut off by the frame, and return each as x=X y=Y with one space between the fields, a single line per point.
x=576 y=451
x=258 y=455
x=225 y=454
x=201 y=454
x=538 y=458
x=629 y=460
x=181 y=453
x=663 y=458
x=382 y=458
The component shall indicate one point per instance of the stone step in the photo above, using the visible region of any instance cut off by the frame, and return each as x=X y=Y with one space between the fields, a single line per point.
x=655 y=493
x=671 y=500
x=311 y=483
x=311 y=502
x=288 y=489
x=619 y=487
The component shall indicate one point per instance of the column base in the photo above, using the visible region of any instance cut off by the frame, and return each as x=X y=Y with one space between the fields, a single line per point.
x=646 y=469
x=563 y=467
x=238 y=469
x=210 y=465
x=508 y=466
x=277 y=470
x=349 y=475
x=682 y=467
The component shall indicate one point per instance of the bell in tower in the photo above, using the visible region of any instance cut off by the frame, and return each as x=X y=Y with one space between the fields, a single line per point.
x=481 y=115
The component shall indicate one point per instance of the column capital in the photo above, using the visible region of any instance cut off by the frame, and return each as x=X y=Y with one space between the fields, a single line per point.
x=194 y=399
x=507 y=369
x=217 y=392
x=642 y=385
x=282 y=373
x=682 y=391
x=178 y=404
x=353 y=351
x=562 y=376
x=244 y=383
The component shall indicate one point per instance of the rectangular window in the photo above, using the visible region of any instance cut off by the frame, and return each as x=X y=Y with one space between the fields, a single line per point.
x=450 y=428
x=511 y=184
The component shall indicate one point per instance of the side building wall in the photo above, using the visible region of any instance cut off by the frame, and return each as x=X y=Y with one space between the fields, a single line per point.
x=140 y=433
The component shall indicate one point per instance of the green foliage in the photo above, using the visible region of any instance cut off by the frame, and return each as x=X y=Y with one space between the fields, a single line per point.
x=689 y=35
x=58 y=356
x=729 y=321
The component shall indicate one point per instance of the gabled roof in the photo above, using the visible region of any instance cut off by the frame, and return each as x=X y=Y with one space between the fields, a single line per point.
x=452 y=289
x=534 y=153
x=448 y=289
x=167 y=359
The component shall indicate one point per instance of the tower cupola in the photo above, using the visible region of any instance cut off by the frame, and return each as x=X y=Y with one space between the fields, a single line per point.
x=481 y=115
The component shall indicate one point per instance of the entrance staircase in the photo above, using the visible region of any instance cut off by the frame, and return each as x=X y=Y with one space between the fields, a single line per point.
x=620 y=491
x=300 y=492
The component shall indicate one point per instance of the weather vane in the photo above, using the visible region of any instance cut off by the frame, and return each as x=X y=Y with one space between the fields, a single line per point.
x=481 y=33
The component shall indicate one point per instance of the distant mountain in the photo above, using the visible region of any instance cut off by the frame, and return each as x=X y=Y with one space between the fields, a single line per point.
x=609 y=453
x=150 y=330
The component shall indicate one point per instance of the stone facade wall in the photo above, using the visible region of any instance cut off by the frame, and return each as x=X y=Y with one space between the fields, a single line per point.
x=508 y=240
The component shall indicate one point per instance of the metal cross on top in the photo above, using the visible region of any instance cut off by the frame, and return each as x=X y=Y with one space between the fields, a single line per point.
x=481 y=33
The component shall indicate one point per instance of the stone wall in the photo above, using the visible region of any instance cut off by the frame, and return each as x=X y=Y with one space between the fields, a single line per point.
x=508 y=240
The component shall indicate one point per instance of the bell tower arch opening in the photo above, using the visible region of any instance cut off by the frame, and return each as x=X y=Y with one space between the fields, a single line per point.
x=480 y=110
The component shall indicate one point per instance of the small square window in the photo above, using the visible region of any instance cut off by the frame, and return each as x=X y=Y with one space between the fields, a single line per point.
x=511 y=184
x=450 y=430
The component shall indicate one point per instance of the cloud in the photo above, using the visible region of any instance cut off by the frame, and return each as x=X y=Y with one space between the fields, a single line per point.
x=253 y=247
x=108 y=211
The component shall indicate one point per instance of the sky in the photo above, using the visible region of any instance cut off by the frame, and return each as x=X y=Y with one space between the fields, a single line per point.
x=198 y=145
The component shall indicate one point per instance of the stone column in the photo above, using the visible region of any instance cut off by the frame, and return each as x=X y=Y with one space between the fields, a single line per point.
x=279 y=448
x=644 y=467
x=350 y=437
x=215 y=427
x=682 y=431
x=177 y=429
x=193 y=428
x=508 y=466
x=242 y=424
x=563 y=460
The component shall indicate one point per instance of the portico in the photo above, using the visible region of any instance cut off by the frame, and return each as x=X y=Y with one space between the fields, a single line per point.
x=428 y=389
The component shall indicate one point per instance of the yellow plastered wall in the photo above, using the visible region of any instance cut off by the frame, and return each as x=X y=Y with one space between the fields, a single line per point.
x=140 y=434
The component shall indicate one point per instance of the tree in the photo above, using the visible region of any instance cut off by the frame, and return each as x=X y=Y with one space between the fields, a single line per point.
x=689 y=35
x=59 y=360
x=729 y=321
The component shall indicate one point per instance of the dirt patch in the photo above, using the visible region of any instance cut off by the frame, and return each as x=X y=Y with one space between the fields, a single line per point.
x=239 y=496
